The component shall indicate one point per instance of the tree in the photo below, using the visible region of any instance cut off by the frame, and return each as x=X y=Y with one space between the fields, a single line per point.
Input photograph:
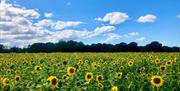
x=1 y=48
x=154 y=47
x=121 y=47
x=133 y=47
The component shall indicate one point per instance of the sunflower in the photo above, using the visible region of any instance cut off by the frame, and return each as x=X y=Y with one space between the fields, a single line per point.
x=89 y=76
x=99 y=78
x=17 y=72
x=71 y=71
x=5 y=81
x=114 y=88
x=163 y=67
x=37 y=68
x=157 y=61
x=130 y=63
x=121 y=68
x=80 y=62
x=119 y=75
x=157 y=81
x=64 y=77
x=17 y=78
x=100 y=85
x=94 y=65
x=8 y=71
x=53 y=82
x=142 y=69
x=169 y=63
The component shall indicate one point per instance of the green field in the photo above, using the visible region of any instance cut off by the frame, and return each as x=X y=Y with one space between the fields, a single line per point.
x=90 y=71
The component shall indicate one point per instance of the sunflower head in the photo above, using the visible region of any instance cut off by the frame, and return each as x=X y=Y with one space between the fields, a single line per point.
x=71 y=71
x=17 y=78
x=37 y=68
x=121 y=68
x=64 y=77
x=157 y=81
x=100 y=85
x=5 y=81
x=119 y=75
x=157 y=61
x=114 y=88
x=130 y=63
x=169 y=63
x=88 y=76
x=17 y=72
x=142 y=69
x=163 y=67
x=53 y=82
x=9 y=71
x=99 y=78
x=94 y=65
x=80 y=62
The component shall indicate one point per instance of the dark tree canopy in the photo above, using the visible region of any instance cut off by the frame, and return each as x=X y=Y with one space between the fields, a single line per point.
x=74 y=46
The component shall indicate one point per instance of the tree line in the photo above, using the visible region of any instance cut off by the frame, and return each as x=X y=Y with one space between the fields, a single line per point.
x=74 y=46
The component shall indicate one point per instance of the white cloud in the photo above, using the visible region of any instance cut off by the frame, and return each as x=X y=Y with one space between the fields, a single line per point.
x=9 y=12
x=20 y=29
x=147 y=18
x=111 y=37
x=132 y=34
x=44 y=22
x=101 y=30
x=178 y=16
x=141 y=39
x=114 y=18
x=59 y=25
x=48 y=15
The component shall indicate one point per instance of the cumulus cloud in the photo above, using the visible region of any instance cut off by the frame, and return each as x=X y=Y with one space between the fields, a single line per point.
x=8 y=12
x=114 y=18
x=111 y=37
x=17 y=26
x=101 y=30
x=141 y=39
x=147 y=18
x=20 y=29
x=59 y=25
x=129 y=35
x=48 y=15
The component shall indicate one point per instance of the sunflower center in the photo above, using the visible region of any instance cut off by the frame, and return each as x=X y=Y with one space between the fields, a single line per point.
x=89 y=76
x=38 y=68
x=168 y=63
x=162 y=68
x=157 y=80
x=71 y=70
x=54 y=81
x=17 y=78
x=100 y=78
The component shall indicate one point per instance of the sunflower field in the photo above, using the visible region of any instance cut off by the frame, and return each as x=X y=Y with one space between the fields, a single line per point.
x=90 y=72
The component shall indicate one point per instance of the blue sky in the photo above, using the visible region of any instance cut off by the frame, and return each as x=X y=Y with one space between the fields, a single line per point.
x=92 y=21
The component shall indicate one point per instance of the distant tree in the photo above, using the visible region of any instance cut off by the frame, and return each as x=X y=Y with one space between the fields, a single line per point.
x=166 y=49
x=37 y=47
x=74 y=46
x=16 y=50
x=133 y=47
x=121 y=47
x=154 y=47
x=176 y=49
x=50 y=47
x=1 y=48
